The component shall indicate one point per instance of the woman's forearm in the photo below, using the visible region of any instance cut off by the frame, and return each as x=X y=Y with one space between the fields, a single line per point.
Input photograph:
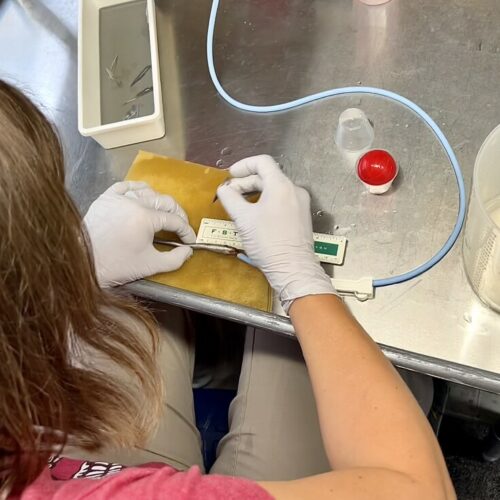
x=374 y=434
x=368 y=416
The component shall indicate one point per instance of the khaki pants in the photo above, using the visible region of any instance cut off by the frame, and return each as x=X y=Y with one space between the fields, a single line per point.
x=274 y=431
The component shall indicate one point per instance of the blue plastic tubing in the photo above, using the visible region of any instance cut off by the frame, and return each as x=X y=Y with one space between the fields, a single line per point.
x=356 y=90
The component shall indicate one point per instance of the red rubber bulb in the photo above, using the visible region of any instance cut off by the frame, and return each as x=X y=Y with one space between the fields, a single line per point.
x=377 y=167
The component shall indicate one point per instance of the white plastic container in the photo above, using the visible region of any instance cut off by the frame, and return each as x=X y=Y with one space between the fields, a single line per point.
x=481 y=247
x=90 y=123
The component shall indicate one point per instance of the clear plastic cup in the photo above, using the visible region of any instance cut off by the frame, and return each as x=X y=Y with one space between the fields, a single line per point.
x=481 y=247
x=354 y=131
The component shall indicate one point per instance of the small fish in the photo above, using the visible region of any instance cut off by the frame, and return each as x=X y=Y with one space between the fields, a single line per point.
x=245 y=195
x=224 y=249
x=143 y=92
x=141 y=75
x=111 y=72
x=112 y=68
x=133 y=112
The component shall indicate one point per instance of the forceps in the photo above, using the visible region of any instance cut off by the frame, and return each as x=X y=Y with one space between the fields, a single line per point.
x=223 y=249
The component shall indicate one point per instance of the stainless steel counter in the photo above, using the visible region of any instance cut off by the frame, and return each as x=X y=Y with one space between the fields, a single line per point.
x=443 y=55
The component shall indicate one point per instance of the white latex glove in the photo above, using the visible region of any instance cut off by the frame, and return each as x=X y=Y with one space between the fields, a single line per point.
x=121 y=224
x=276 y=232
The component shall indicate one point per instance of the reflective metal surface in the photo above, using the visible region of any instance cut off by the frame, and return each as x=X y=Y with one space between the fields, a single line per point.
x=443 y=55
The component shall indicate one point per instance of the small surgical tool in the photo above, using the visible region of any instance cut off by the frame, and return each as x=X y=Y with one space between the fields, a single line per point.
x=223 y=249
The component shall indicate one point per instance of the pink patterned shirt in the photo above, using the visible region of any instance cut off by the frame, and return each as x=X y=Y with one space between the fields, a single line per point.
x=66 y=479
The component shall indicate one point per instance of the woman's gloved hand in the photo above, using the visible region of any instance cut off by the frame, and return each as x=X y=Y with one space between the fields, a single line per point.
x=277 y=230
x=121 y=224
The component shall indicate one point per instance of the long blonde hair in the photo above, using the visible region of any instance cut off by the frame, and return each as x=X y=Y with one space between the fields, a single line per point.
x=52 y=311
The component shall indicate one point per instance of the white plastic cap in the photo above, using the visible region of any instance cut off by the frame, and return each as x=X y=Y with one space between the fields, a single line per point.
x=380 y=189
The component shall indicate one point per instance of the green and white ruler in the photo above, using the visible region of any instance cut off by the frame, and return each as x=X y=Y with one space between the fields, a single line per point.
x=328 y=248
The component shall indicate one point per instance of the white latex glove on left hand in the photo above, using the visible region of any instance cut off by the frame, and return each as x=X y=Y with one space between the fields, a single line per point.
x=122 y=223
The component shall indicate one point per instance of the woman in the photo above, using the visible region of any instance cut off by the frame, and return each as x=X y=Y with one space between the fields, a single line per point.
x=82 y=369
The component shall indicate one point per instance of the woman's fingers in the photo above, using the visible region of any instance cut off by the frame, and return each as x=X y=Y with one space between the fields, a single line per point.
x=246 y=184
x=262 y=165
x=151 y=199
x=163 y=221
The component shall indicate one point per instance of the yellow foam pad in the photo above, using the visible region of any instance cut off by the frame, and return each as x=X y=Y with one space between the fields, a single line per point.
x=194 y=186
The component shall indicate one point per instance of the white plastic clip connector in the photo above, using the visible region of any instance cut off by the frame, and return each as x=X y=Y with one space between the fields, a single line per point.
x=362 y=289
